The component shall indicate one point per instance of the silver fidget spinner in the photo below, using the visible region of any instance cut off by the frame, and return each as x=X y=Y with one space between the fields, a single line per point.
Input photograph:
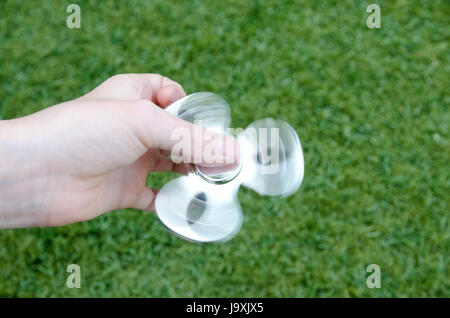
x=203 y=206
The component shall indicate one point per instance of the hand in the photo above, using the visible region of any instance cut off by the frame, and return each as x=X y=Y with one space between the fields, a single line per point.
x=79 y=159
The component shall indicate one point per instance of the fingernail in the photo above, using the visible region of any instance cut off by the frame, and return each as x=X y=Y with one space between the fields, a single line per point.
x=174 y=95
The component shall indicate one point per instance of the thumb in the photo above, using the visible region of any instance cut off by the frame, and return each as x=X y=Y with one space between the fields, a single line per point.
x=185 y=141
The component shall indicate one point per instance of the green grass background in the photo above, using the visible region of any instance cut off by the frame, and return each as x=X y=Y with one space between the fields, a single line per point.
x=370 y=106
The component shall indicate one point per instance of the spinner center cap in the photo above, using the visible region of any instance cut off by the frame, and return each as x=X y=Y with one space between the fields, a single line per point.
x=220 y=174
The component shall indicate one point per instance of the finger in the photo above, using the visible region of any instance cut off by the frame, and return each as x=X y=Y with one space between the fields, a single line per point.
x=146 y=200
x=132 y=87
x=168 y=94
x=164 y=162
x=182 y=168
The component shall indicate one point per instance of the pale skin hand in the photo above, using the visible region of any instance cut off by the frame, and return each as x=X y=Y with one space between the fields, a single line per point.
x=79 y=159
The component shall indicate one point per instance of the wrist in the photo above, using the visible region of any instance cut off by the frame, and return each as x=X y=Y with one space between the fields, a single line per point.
x=22 y=174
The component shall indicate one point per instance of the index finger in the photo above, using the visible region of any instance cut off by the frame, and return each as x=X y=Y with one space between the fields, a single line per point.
x=154 y=87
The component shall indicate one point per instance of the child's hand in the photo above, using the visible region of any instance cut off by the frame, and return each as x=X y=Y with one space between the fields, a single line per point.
x=79 y=159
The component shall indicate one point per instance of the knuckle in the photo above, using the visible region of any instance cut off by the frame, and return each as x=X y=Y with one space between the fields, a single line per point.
x=120 y=78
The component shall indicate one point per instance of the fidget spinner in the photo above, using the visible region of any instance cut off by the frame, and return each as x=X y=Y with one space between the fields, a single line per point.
x=202 y=206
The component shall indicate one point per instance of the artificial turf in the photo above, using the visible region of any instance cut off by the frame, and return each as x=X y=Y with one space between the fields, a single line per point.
x=371 y=107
